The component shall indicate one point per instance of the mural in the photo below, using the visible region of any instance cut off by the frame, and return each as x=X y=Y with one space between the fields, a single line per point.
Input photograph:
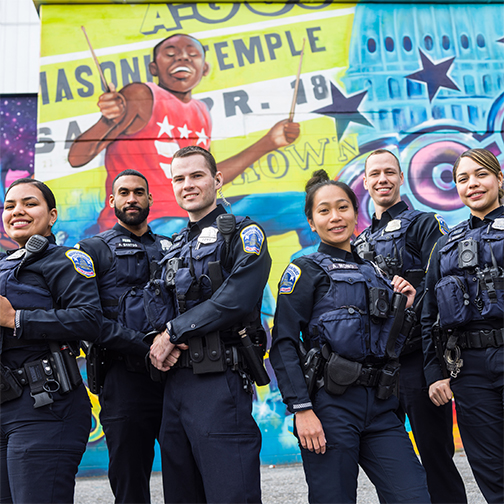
x=425 y=81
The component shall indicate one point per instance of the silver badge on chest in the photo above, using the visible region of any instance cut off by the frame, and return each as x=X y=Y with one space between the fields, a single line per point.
x=16 y=255
x=393 y=225
x=498 y=224
x=207 y=235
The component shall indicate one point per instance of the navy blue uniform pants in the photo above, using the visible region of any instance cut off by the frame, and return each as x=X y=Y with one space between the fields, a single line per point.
x=479 y=400
x=432 y=428
x=131 y=411
x=41 y=448
x=363 y=430
x=210 y=442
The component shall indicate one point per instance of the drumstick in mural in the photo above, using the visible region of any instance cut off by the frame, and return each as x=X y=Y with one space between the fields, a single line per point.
x=296 y=86
x=102 y=77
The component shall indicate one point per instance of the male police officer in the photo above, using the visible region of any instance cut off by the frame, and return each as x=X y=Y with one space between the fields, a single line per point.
x=131 y=404
x=218 y=269
x=400 y=241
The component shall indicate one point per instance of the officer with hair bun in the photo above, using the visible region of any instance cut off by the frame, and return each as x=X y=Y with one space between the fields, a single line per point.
x=340 y=379
x=463 y=319
x=48 y=302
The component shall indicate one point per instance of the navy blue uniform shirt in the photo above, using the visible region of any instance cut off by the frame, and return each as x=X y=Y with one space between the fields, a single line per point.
x=295 y=312
x=432 y=366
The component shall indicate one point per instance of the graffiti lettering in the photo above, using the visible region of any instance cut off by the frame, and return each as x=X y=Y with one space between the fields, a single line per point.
x=130 y=74
x=303 y=161
x=278 y=164
x=235 y=99
x=73 y=132
x=89 y=89
x=248 y=51
x=45 y=144
x=169 y=17
x=63 y=90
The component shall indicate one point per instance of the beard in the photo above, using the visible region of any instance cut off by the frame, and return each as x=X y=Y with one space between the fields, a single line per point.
x=132 y=219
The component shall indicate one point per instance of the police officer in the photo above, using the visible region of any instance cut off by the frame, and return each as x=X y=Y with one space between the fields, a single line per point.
x=131 y=404
x=400 y=241
x=217 y=269
x=352 y=323
x=462 y=319
x=48 y=301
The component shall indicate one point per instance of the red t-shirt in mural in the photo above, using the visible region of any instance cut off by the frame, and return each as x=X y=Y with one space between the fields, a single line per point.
x=173 y=125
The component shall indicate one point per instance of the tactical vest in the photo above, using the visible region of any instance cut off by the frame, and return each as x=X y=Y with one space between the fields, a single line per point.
x=342 y=317
x=22 y=296
x=121 y=285
x=387 y=247
x=471 y=287
x=191 y=270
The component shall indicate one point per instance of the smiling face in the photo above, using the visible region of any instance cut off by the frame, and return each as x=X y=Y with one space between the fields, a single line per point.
x=334 y=218
x=478 y=187
x=194 y=186
x=179 y=65
x=26 y=213
x=383 y=179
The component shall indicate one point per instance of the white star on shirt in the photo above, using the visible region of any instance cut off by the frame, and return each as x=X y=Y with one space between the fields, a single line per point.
x=184 y=132
x=165 y=127
x=201 y=136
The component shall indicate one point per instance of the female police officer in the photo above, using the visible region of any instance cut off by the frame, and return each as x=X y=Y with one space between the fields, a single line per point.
x=48 y=300
x=341 y=303
x=466 y=279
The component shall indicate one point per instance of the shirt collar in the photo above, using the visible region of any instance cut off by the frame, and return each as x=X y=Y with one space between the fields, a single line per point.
x=389 y=214
x=338 y=253
x=121 y=229
x=476 y=222
x=195 y=228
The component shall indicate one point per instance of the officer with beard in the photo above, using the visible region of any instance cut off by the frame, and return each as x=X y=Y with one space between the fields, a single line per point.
x=125 y=258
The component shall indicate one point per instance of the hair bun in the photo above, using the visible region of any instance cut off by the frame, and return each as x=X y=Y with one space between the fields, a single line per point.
x=316 y=178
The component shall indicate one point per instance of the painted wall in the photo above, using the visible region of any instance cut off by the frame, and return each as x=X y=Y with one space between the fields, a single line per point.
x=426 y=81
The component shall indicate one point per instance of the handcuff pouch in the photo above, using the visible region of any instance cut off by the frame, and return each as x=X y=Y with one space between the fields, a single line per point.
x=339 y=373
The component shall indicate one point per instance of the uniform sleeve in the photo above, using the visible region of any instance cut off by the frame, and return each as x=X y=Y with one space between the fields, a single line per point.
x=75 y=293
x=432 y=366
x=293 y=312
x=425 y=233
x=238 y=295
x=113 y=335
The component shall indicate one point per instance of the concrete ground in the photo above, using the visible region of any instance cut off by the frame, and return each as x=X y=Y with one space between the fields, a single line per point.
x=280 y=485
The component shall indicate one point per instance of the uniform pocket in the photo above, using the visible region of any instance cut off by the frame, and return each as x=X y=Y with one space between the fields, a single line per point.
x=344 y=329
x=453 y=301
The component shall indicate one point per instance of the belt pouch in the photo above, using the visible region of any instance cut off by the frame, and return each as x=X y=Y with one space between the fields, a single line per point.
x=10 y=388
x=40 y=378
x=206 y=354
x=339 y=373
x=389 y=381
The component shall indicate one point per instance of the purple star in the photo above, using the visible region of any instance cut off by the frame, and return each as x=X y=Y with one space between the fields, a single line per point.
x=343 y=110
x=501 y=40
x=434 y=75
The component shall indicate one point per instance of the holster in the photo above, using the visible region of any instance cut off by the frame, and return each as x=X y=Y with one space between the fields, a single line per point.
x=388 y=382
x=96 y=366
x=207 y=354
x=339 y=373
x=10 y=388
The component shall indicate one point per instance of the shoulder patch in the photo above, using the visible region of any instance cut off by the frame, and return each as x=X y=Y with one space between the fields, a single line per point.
x=443 y=227
x=289 y=278
x=252 y=239
x=83 y=264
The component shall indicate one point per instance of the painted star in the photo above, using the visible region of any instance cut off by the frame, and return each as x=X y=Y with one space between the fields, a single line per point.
x=434 y=75
x=184 y=132
x=202 y=138
x=343 y=110
x=165 y=127
x=501 y=40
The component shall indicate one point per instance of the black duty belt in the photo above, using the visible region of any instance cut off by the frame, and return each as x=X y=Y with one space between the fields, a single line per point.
x=369 y=377
x=481 y=339
x=233 y=358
